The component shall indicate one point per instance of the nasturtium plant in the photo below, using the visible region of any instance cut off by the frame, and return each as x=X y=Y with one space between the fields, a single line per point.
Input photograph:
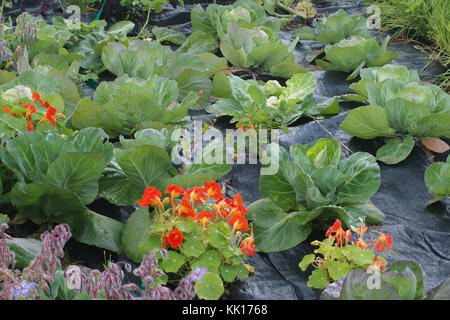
x=352 y=54
x=203 y=231
x=270 y=105
x=317 y=184
x=25 y=111
x=402 y=110
x=334 y=28
x=437 y=179
x=57 y=177
x=145 y=59
x=146 y=160
x=337 y=256
x=126 y=105
x=47 y=82
x=404 y=280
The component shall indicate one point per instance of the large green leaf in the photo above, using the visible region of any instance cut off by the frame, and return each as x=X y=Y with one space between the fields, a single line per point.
x=402 y=113
x=25 y=250
x=78 y=172
x=395 y=150
x=367 y=122
x=419 y=276
x=363 y=178
x=42 y=202
x=433 y=125
x=144 y=165
x=355 y=287
x=94 y=229
x=275 y=229
x=136 y=230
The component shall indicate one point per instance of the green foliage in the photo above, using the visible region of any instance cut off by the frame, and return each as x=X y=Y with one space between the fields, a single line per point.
x=334 y=28
x=127 y=105
x=353 y=54
x=399 y=107
x=404 y=280
x=145 y=161
x=318 y=183
x=203 y=244
x=58 y=177
x=418 y=20
x=145 y=60
x=269 y=105
x=437 y=179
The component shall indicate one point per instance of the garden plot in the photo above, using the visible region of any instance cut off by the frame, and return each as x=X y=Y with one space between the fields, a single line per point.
x=89 y=121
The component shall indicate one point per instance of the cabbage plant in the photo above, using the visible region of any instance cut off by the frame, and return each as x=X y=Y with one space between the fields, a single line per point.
x=126 y=105
x=318 y=183
x=334 y=28
x=271 y=105
x=353 y=54
x=58 y=177
x=146 y=161
x=401 y=110
x=404 y=280
x=144 y=59
x=437 y=179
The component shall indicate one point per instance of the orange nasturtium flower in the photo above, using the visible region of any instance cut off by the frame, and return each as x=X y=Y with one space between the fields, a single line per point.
x=175 y=238
x=238 y=222
x=340 y=235
x=30 y=126
x=213 y=190
x=6 y=109
x=248 y=245
x=174 y=191
x=221 y=209
x=377 y=264
x=152 y=196
x=204 y=217
x=383 y=241
x=196 y=194
x=236 y=204
x=362 y=244
x=185 y=209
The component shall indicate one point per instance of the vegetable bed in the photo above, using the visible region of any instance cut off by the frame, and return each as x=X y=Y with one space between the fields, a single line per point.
x=88 y=121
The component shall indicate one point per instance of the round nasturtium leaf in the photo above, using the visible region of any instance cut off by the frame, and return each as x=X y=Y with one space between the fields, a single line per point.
x=210 y=287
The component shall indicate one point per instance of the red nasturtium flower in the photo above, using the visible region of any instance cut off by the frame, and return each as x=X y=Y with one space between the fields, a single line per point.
x=362 y=244
x=377 y=264
x=30 y=126
x=174 y=191
x=152 y=196
x=361 y=230
x=248 y=245
x=175 y=238
x=236 y=204
x=204 y=217
x=185 y=209
x=238 y=222
x=341 y=236
x=213 y=190
x=196 y=194
x=36 y=96
x=383 y=241
x=221 y=209
x=6 y=109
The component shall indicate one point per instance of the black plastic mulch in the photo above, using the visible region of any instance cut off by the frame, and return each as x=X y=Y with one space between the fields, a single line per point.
x=419 y=232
